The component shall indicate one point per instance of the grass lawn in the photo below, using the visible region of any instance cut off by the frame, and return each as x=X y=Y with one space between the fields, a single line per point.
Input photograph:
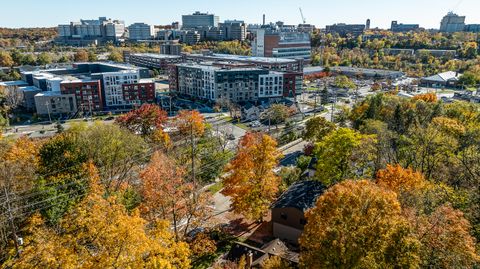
x=242 y=125
x=215 y=187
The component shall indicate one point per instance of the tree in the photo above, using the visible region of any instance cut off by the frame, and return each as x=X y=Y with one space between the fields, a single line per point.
x=278 y=113
x=317 y=128
x=275 y=262
x=250 y=180
x=357 y=224
x=81 y=56
x=6 y=59
x=115 y=56
x=144 y=121
x=100 y=233
x=168 y=195
x=92 y=56
x=44 y=58
x=426 y=97
x=115 y=151
x=342 y=154
x=445 y=238
x=344 y=82
x=398 y=179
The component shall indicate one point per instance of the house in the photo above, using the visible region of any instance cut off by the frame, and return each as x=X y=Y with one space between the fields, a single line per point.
x=288 y=212
x=442 y=80
x=254 y=256
x=250 y=112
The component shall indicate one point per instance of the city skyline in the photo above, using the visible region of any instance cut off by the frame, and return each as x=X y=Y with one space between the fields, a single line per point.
x=317 y=13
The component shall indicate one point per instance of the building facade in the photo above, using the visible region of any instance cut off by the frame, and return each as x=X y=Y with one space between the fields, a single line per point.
x=88 y=93
x=89 y=32
x=140 y=31
x=344 y=30
x=199 y=19
x=234 y=30
x=139 y=93
x=452 y=23
x=278 y=43
x=151 y=60
x=235 y=84
x=400 y=27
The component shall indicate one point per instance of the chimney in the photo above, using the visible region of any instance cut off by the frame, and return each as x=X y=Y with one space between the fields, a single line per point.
x=263 y=19
x=249 y=259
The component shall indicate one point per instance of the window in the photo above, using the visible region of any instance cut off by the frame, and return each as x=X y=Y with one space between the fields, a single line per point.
x=283 y=216
x=303 y=221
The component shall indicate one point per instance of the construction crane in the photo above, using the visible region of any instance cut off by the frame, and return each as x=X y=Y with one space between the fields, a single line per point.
x=303 y=17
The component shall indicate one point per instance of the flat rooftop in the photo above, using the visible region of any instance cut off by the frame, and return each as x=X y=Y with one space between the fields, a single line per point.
x=208 y=66
x=13 y=83
x=242 y=58
x=157 y=56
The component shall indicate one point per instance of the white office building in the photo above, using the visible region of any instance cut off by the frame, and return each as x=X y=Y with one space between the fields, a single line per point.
x=140 y=31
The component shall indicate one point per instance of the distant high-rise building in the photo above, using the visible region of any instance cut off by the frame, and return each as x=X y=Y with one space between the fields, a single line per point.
x=452 y=23
x=234 y=30
x=88 y=32
x=400 y=27
x=199 y=19
x=367 y=26
x=282 y=43
x=140 y=31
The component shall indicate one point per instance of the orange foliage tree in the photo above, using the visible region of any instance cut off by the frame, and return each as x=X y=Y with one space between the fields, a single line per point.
x=168 y=195
x=357 y=224
x=427 y=97
x=251 y=181
x=397 y=178
x=145 y=120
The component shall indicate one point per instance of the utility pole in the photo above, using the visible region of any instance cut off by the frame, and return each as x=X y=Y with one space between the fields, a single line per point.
x=11 y=221
x=48 y=111
x=90 y=107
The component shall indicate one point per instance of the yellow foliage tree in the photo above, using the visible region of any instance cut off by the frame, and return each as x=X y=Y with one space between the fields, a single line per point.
x=397 y=179
x=99 y=233
x=250 y=180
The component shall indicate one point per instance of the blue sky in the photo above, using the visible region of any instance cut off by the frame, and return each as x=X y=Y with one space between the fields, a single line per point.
x=428 y=13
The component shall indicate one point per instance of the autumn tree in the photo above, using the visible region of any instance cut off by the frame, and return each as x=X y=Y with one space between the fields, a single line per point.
x=317 y=128
x=250 y=180
x=275 y=262
x=100 y=233
x=342 y=154
x=168 y=195
x=445 y=239
x=81 y=56
x=397 y=179
x=426 y=97
x=5 y=59
x=191 y=126
x=357 y=224
x=115 y=56
x=278 y=113
x=145 y=121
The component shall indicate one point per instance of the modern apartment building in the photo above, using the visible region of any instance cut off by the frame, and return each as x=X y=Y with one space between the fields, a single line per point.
x=140 y=31
x=452 y=23
x=92 y=86
x=151 y=60
x=199 y=19
x=282 y=43
x=236 y=84
x=400 y=27
x=269 y=63
x=88 y=32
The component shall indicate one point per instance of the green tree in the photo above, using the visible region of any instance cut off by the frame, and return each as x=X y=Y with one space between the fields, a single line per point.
x=317 y=128
x=343 y=154
x=115 y=56
x=44 y=58
x=344 y=82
